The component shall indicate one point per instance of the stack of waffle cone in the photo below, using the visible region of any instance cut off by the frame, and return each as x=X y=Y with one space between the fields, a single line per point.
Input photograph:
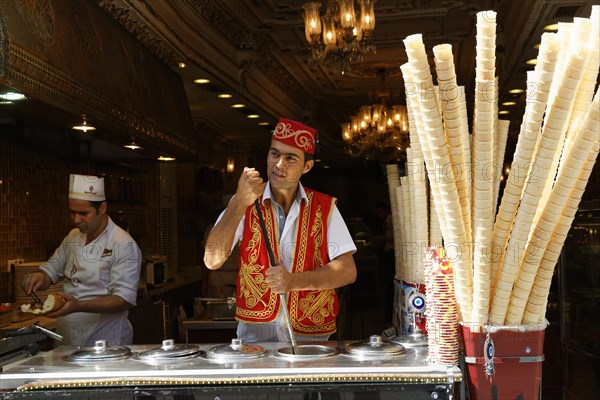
x=576 y=41
x=409 y=269
x=584 y=146
x=393 y=183
x=418 y=210
x=541 y=78
x=443 y=184
x=452 y=103
x=538 y=298
x=482 y=157
x=549 y=143
x=503 y=262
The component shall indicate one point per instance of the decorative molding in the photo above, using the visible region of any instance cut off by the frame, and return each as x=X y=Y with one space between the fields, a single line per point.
x=128 y=16
x=261 y=43
x=51 y=85
x=39 y=19
x=129 y=19
x=94 y=68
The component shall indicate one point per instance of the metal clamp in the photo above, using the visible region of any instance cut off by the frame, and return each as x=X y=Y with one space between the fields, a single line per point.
x=450 y=383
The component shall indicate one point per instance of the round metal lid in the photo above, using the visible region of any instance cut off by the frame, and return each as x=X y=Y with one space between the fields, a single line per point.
x=412 y=340
x=101 y=351
x=375 y=347
x=170 y=350
x=307 y=352
x=236 y=351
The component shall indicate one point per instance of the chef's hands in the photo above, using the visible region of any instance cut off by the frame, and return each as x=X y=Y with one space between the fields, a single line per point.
x=69 y=307
x=33 y=282
x=39 y=280
x=250 y=186
x=278 y=279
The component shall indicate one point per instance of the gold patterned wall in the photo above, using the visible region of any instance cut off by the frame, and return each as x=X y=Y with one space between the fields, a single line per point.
x=71 y=55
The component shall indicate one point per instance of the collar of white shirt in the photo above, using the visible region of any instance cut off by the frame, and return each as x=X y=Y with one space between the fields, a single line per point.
x=267 y=194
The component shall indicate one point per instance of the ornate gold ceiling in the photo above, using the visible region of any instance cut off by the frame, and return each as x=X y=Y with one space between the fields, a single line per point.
x=256 y=49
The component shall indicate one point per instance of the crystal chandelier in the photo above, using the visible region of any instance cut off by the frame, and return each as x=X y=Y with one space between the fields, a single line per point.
x=378 y=131
x=339 y=38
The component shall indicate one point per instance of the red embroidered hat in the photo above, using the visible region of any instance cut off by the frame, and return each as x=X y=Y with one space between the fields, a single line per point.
x=296 y=135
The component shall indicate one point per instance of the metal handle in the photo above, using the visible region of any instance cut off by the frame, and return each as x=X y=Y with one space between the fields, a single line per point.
x=29 y=330
x=263 y=227
x=282 y=298
x=49 y=333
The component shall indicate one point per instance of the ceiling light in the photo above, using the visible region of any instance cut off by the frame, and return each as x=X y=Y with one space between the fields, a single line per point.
x=339 y=38
x=238 y=105
x=509 y=103
x=551 y=28
x=377 y=131
x=252 y=116
x=84 y=126
x=263 y=123
x=224 y=96
x=12 y=96
x=516 y=91
x=202 y=81
x=230 y=165
x=503 y=112
x=165 y=158
x=181 y=65
x=133 y=145
x=533 y=61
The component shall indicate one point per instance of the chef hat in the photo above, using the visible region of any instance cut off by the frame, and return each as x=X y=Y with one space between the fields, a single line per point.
x=86 y=187
x=296 y=135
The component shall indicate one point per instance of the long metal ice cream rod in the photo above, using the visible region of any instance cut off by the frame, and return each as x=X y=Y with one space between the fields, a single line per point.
x=288 y=322
x=282 y=298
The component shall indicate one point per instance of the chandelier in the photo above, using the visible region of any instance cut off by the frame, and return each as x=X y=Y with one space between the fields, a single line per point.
x=377 y=131
x=339 y=38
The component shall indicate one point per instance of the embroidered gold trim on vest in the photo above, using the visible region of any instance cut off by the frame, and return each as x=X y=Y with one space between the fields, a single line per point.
x=252 y=285
x=316 y=306
x=313 y=312
x=310 y=312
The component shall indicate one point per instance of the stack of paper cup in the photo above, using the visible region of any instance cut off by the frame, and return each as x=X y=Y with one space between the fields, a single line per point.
x=442 y=316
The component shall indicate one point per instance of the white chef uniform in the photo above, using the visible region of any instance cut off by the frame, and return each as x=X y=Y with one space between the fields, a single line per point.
x=109 y=265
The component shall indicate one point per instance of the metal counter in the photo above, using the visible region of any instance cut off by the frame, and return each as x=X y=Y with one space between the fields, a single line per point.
x=53 y=375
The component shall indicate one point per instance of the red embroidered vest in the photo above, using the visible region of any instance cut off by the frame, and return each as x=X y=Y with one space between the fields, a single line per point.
x=312 y=312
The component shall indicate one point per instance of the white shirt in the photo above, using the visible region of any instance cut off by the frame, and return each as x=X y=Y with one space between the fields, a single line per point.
x=108 y=265
x=339 y=242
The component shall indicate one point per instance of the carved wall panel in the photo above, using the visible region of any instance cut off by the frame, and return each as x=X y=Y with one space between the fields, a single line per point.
x=70 y=54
